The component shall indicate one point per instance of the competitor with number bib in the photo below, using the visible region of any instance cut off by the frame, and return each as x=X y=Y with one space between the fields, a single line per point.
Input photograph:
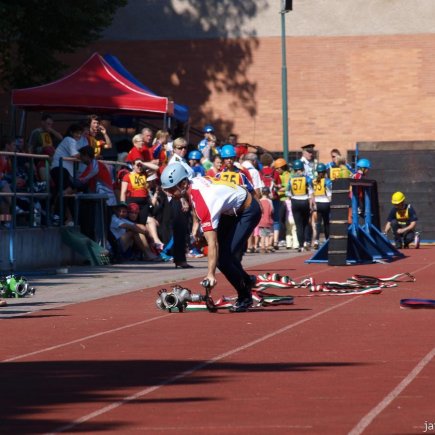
x=134 y=188
x=402 y=220
x=300 y=189
x=230 y=172
x=227 y=214
x=321 y=201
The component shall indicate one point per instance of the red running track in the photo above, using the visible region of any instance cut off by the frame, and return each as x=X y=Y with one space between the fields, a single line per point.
x=326 y=365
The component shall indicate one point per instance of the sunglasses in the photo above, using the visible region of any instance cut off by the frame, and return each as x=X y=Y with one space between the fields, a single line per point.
x=181 y=148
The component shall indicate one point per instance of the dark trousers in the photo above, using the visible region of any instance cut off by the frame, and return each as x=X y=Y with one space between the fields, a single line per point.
x=323 y=210
x=301 y=215
x=232 y=234
x=405 y=238
x=180 y=225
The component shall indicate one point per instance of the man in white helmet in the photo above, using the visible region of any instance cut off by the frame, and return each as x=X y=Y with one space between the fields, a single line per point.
x=227 y=214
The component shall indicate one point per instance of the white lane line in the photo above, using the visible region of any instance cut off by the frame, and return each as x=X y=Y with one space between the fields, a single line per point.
x=79 y=340
x=194 y=369
x=99 y=334
x=368 y=418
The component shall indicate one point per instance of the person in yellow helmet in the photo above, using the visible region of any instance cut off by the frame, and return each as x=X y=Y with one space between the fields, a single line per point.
x=402 y=221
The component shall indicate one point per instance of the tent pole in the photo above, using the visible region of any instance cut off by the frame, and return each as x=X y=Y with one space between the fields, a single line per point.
x=22 y=123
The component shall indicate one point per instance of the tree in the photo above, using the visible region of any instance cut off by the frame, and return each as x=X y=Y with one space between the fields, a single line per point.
x=34 y=32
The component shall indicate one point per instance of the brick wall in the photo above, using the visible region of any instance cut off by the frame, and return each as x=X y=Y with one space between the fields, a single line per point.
x=341 y=90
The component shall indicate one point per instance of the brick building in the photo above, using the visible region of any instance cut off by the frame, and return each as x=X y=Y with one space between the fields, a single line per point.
x=358 y=70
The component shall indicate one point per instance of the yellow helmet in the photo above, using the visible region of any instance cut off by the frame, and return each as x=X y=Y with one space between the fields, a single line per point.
x=397 y=198
x=279 y=163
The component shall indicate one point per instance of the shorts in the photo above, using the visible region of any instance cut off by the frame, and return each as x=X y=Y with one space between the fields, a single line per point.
x=265 y=231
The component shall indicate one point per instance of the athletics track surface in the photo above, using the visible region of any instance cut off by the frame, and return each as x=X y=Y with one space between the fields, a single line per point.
x=325 y=365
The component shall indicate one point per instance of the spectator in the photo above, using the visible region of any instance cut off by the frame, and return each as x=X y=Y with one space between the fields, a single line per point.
x=335 y=166
x=241 y=149
x=129 y=235
x=67 y=148
x=204 y=144
x=138 y=151
x=160 y=209
x=210 y=150
x=272 y=180
x=151 y=228
x=134 y=188
x=147 y=135
x=97 y=136
x=402 y=221
x=266 y=222
x=159 y=149
x=44 y=136
x=180 y=209
x=195 y=157
x=217 y=165
x=308 y=160
x=227 y=216
x=5 y=201
x=96 y=176
x=250 y=163
x=21 y=176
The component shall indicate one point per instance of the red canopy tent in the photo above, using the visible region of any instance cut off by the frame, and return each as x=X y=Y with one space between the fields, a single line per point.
x=95 y=87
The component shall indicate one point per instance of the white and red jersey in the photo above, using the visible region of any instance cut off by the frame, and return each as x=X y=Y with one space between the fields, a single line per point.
x=99 y=180
x=212 y=198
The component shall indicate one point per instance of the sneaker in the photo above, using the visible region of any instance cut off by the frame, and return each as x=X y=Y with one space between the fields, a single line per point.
x=417 y=240
x=242 y=305
x=165 y=257
x=282 y=244
x=55 y=220
x=194 y=253
x=316 y=244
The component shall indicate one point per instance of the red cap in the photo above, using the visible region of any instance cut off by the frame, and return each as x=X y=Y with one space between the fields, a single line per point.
x=133 y=207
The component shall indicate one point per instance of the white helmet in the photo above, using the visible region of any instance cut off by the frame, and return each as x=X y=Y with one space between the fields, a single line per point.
x=172 y=175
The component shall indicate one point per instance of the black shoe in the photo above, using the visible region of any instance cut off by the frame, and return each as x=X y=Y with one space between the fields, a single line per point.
x=183 y=265
x=241 y=305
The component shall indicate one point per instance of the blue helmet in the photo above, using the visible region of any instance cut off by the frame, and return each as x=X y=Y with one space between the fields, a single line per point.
x=172 y=175
x=321 y=167
x=208 y=128
x=195 y=155
x=228 y=151
x=364 y=163
x=298 y=165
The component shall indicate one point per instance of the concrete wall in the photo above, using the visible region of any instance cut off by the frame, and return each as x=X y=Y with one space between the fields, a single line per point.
x=36 y=248
x=205 y=19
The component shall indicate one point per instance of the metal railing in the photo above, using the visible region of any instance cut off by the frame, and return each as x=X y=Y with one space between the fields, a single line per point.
x=30 y=187
x=77 y=196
